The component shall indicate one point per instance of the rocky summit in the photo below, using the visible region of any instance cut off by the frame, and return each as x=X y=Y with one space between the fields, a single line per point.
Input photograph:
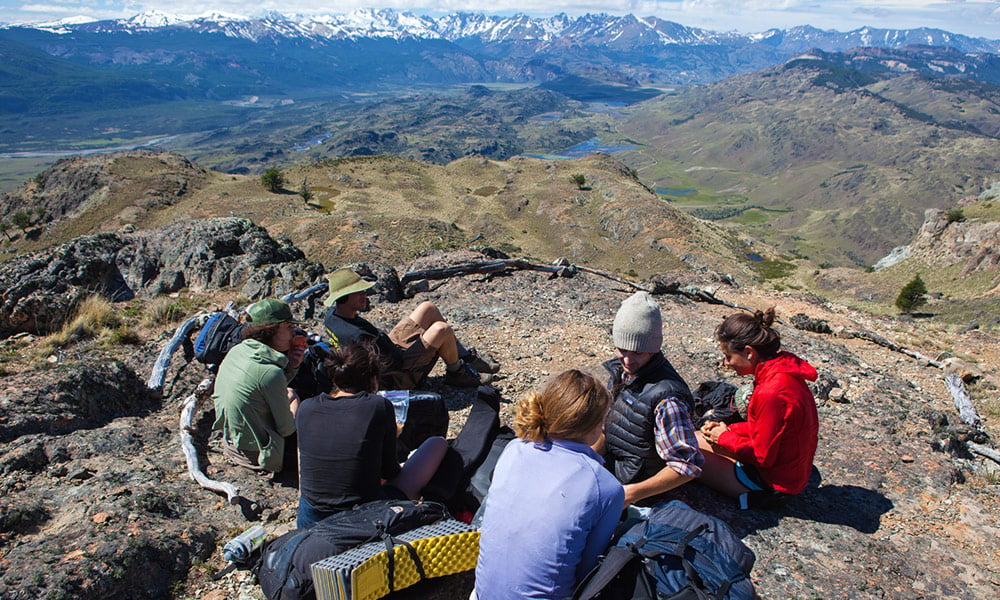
x=97 y=501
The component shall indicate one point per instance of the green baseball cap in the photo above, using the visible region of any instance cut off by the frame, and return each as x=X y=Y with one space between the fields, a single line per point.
x=270 y=311
x=343 y=282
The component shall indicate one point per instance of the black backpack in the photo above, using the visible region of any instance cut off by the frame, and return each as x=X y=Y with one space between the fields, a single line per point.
x=284 y=570
x=674 y=553
x=217 y=337
x=715 y=401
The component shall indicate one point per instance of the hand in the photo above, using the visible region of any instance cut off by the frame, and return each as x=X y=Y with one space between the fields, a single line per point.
x=711 y=430
x=295 y=355
x=630 y=495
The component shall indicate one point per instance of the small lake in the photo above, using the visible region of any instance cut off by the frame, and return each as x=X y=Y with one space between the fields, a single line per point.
x=591 y=146
x=316 y=141
x=665 y=191
x=754 y=257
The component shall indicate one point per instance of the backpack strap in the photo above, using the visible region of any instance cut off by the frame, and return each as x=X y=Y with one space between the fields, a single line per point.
x=680 y=549
x=390 y=546
x=612 y=564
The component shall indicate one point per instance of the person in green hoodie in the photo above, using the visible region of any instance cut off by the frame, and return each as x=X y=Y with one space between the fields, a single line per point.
x=254 y=407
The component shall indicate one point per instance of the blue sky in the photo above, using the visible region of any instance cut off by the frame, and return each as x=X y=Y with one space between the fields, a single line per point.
x=970 y=17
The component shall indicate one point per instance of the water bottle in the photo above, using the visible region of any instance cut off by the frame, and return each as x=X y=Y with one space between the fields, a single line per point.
x=400 y=403
x=242 y=546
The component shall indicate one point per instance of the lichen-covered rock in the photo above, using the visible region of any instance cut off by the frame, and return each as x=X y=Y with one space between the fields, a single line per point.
x=39 y=291
x=69 y=396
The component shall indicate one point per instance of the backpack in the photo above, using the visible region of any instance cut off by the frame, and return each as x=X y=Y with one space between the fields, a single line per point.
x=715 y=401
x=674 y=553
x=217 y=337
x=284 y=570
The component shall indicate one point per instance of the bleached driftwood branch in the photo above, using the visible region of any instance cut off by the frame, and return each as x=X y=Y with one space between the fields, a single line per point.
x=963 y=402
x=306 y=293
x=981 y=450
x=875 y=338
x=560 y=268
x=159 y=373
x=187 y=444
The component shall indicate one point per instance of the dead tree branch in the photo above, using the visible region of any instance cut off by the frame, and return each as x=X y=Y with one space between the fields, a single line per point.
x=981 y=450
x=963 y=402
x=560 y=268
x=187 y=444
x=875 y=338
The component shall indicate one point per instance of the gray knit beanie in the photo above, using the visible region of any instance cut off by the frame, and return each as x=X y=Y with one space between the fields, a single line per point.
x=638 y=326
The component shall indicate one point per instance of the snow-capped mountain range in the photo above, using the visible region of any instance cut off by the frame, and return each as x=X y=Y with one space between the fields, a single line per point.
x=589 y=29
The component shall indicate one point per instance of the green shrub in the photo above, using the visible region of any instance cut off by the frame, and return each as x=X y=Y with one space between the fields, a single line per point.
x=955 y=215
x=912 y=296
x=272 y=180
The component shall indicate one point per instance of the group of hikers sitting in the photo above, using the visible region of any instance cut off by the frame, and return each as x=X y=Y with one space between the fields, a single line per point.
x=584 y=451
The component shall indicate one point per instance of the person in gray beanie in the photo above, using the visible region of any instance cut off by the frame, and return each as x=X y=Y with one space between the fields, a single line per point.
x=650 y=443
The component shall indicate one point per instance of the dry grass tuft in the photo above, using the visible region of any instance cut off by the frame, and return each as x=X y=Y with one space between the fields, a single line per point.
x=93 y=315
x=163 y=311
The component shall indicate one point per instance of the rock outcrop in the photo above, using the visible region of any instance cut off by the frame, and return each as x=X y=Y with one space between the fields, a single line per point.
x=39 y=291
x=945 y=241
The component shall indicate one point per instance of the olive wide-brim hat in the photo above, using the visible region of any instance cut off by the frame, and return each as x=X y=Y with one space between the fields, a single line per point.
x=343 y=282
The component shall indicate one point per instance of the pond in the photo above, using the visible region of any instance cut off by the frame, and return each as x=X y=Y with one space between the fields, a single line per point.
x=665 y=191
x=591 y=146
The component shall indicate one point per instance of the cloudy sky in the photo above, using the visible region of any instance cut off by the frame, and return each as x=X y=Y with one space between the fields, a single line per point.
x=970 y=17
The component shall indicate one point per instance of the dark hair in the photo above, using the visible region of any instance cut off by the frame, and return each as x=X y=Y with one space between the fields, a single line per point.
x=354 y=368
x=568 y=407
x=262 y=333
x=740 y=330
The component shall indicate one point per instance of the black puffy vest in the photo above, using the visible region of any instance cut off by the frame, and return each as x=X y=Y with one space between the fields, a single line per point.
x=630 y=451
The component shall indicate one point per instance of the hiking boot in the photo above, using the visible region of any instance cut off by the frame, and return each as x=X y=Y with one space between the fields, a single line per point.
x=482 y=361
x=466 y=376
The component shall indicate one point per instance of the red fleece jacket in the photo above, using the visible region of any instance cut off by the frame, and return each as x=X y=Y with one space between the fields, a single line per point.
x=782 y=428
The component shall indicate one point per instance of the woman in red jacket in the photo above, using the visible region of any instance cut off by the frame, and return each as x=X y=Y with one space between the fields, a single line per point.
x=771 y=454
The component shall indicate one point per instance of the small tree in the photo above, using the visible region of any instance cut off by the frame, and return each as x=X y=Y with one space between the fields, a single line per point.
x=955 y=215
x=305 y=190
x=578 y=179
x=21 y=220
x=5 y=229
x=913 y=295
x=272 y=180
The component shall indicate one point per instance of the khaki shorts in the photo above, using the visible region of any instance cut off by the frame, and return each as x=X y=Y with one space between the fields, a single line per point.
x=416 y=360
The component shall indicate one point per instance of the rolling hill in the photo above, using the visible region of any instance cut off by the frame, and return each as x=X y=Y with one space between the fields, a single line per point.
x=842 y=157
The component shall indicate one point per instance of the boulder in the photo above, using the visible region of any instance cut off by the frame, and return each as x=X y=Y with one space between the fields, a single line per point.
x=39 y=291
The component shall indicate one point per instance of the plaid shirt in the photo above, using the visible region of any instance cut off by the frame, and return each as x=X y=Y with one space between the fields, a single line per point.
x=675 y=440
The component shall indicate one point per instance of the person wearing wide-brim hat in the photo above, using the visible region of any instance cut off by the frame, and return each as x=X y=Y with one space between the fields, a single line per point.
x=411 y=347
x=253 y=405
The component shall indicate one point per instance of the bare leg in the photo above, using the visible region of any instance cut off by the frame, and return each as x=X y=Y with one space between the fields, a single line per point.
x=441 y=337
x=718 y=470
x=437 y=333
x=426 y=314
x=420 y=467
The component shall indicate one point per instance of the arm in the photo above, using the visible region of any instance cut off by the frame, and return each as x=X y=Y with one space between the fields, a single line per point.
x=274 y=387
x=760 y=442
x=610 y=505
x=677 y=446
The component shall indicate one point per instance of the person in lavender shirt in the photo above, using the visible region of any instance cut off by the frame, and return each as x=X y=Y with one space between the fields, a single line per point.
x=552 y=507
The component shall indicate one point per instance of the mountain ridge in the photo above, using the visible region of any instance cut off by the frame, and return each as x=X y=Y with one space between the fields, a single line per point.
x=373 y=22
